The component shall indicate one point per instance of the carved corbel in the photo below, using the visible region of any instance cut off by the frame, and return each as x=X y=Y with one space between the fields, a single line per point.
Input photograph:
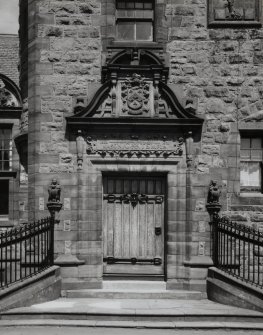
x=156 y=93
x=189 y=149
x=80 y=149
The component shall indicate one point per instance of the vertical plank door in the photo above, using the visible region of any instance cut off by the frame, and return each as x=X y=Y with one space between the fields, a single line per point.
x=133 y=225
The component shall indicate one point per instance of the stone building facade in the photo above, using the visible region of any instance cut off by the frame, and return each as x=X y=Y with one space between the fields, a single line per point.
x=134 y=107
x=12 y=189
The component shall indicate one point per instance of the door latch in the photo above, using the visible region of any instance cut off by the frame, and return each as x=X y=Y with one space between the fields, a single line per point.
x=158 y=231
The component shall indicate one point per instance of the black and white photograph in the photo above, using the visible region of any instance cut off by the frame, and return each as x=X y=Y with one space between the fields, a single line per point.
x=131 y=167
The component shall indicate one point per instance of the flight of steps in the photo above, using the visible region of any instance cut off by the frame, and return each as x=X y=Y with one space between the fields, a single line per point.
x=135 y=305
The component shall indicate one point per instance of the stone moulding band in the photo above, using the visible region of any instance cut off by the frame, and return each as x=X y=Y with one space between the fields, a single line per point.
x=134 y=153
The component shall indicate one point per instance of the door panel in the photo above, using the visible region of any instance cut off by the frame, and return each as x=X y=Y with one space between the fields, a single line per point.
x=133 y=227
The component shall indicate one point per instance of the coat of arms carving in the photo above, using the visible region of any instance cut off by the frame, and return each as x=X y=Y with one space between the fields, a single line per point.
x=135 y=93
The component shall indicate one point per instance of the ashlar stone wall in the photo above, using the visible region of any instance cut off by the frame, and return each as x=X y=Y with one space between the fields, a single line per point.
x=221 y=69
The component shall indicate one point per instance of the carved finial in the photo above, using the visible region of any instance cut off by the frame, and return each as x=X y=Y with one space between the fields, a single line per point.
x=213 y=193
x=79 y=105
x=54 y=191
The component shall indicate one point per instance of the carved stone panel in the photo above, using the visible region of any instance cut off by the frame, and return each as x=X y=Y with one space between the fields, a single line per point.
x=136 y=146
x=7 y=99
x=233 y=13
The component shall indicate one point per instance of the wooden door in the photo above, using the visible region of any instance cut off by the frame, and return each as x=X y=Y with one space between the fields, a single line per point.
x=133 y=226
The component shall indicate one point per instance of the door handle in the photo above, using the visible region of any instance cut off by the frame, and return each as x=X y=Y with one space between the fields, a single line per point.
x=158 y=231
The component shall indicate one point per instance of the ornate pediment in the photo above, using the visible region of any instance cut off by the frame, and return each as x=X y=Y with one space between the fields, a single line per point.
x=133 y=90
x=135 y=96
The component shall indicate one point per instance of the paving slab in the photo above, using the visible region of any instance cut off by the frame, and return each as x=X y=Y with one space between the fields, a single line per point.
x=53 y=330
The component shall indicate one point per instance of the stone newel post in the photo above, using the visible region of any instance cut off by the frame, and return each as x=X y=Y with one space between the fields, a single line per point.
x=54 y=206
x=213 y=207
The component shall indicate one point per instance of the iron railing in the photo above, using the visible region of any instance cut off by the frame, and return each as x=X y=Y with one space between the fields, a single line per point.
x=26 y=250
x=238 y=250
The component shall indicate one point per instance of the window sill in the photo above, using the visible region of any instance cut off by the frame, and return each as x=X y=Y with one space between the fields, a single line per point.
x=251 y=195
x=139 y=44
x=11 y=174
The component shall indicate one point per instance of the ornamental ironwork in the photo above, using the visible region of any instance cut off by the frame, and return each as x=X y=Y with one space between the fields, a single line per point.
x=133 y=198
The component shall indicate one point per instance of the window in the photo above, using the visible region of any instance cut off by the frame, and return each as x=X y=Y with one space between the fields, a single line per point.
x=4 y=197
x=134 y=20
x=251 y=164
x=5 y=149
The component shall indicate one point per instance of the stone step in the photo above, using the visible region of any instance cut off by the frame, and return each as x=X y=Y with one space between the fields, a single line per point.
x=136 y=285
x=24 y=327
x=157 y=312
x=125 y=289
x=131 y=293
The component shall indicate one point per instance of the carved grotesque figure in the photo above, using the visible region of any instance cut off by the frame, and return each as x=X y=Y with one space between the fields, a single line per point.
x=54 y=191
x=213 y=193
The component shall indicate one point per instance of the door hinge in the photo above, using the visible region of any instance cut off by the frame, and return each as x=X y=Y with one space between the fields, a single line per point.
x=112 y=260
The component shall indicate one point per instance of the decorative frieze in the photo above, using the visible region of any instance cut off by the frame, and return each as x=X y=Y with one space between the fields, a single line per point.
x=131 y=145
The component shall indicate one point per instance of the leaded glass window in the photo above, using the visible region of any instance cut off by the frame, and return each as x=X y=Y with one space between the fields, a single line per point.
x=251 y=164
x=5 y=149
x=134 y=20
